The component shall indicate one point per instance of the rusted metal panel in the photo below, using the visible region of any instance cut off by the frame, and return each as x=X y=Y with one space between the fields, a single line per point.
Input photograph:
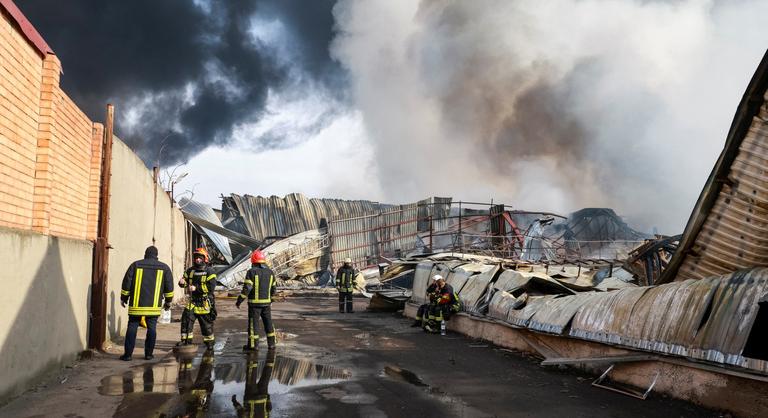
x=728 y=228
x=27 y=29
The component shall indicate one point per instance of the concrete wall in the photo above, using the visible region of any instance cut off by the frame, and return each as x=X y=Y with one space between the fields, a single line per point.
x=43 y=305
x=130 y=228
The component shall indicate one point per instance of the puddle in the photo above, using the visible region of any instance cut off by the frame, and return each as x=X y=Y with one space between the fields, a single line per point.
x=228 y=383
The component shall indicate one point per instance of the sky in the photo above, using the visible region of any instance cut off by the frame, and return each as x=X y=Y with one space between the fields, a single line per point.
x=552 y=106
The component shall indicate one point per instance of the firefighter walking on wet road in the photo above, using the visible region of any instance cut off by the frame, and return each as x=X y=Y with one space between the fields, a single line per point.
x=259 y=288
x=201 y=282
x=345 y=283
x=147 y=289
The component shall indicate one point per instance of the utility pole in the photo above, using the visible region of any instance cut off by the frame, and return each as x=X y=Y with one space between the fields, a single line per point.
x=98 y=314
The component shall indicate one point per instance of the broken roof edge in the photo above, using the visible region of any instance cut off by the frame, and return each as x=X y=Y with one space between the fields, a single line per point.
x=26 y=28
x=748 y=108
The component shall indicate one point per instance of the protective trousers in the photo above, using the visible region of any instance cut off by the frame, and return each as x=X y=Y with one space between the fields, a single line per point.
x=188 y=324
x=439 y=313
x=345 y=302
x=130 y=336
x=423 y=313
x=265 y=312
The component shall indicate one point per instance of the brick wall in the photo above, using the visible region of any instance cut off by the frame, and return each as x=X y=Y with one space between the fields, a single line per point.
x=49 y=150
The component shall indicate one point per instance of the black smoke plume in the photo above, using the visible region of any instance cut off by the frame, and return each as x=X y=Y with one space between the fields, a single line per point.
x=183 y=74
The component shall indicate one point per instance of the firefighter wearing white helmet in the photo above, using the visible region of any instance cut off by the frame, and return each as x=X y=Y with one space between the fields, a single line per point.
x=345 y=283
x=423 y=313
x=446 y=304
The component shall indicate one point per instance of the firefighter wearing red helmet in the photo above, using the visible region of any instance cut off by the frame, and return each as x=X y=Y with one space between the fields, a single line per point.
x=258 y=289
x=201 y=282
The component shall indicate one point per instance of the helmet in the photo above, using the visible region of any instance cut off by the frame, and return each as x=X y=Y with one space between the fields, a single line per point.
x=201 y=251
x=258 y=257
x=347 y=260
x=437 y=277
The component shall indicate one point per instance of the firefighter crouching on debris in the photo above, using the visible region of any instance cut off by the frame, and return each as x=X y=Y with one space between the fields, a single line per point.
x=345 y=283
x=446 y=304
x=201 y=282
x=259 y=288
x=146 y=284
x=422 y=315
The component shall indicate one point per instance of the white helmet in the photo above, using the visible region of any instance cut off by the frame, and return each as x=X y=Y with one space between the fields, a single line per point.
x=348 y=260
x=437 y=277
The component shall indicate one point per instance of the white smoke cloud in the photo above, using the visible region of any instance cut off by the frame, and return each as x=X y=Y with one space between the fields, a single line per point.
x=551 y=105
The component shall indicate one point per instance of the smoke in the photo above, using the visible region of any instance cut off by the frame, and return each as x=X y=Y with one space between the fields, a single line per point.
x=551 y=105
x=185 y=75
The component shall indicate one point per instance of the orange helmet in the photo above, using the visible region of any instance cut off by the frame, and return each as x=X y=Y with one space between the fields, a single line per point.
x=258 y=257
x=202 y=251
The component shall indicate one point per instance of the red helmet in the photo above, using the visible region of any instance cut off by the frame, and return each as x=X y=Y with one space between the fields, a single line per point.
x=258 y=257
x=202 y=251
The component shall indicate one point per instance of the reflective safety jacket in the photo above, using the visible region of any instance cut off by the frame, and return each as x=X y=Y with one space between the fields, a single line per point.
x=259 y=285
x=146 y=284
x=448 y=297
x=204 y=280
x=345 y=279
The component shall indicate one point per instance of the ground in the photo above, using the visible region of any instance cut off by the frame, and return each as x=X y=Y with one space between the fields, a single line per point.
x=331 y=364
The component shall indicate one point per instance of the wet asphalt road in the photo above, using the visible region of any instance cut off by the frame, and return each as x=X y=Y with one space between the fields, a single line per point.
x=363 y=364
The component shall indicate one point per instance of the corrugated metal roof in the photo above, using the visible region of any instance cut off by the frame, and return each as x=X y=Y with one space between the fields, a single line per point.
x=262 y=217
x=709 y=319
x=728 y=229
x=204 y=211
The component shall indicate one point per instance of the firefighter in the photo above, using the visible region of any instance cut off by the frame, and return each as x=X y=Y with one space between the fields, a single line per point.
x=195 y=390
x=147 y=289
x=345 y=283
x=446 y=304
x=201 y=282
x=258 y=289
x=256 y=400
x=422 y=315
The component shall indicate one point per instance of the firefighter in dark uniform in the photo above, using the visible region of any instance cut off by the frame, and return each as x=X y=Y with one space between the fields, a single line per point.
x=201 y=282
x=345 y=283
x=256 y=400
x=195 y=390
x=447 y=304
x=258 y=289
x=422 y=315
x=147 y=289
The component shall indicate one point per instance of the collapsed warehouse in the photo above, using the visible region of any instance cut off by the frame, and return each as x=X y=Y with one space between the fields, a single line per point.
x=683 y=315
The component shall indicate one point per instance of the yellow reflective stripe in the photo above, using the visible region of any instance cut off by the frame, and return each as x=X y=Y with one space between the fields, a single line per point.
x=137 y=287
x=271 y=334
x=248 y=282
x=211 y=277
x=158 y=282
x=168 y=295
x=203 y=286
x=208 y=337
x=125 y=292
x=143 y=311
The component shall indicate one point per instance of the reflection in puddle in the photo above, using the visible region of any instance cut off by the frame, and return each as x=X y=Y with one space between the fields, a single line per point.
x=225 y=384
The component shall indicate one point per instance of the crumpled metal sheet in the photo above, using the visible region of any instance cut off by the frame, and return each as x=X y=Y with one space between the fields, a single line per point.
x=460 y=275
x=300 y=250
x=474 y=295
x=204 y=211
x=607 y=315
x=502 y=302
x=557 y=317
x=522 y=316
x=533 y=282
x=421 y=279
